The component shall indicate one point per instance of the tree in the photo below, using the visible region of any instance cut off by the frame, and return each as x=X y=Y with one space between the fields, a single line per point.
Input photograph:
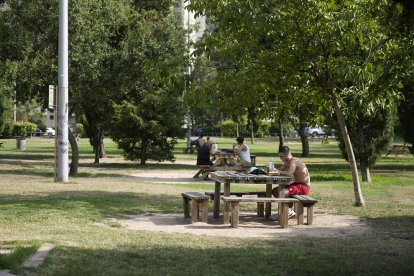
x=370 y=136
x=321 y=50
x=149 y=119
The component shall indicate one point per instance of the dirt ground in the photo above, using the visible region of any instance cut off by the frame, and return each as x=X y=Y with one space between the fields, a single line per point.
x=251 y=226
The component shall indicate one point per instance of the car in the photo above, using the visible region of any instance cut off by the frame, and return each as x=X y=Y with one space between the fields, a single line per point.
x=49 y=132
x=315 y=132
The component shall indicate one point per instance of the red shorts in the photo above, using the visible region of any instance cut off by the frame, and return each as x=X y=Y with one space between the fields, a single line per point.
x=298 y=189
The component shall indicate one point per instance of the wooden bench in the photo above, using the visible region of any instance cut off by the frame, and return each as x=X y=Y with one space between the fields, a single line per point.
x=1 y=144
x=304 y=201
x=260 y=205
x=196 y=199
x=233 y=203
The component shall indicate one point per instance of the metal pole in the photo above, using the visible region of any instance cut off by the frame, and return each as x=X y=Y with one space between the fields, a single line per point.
x=62 y=114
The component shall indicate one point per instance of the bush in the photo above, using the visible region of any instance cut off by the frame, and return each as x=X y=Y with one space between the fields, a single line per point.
x=80 y=130
x=229 y=129
x=22 y=129
x=7 y=129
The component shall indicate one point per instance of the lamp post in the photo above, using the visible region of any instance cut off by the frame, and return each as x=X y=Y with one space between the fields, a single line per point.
x=62 y=114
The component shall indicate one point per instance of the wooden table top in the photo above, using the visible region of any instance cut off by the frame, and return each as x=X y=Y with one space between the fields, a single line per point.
x=231 y=176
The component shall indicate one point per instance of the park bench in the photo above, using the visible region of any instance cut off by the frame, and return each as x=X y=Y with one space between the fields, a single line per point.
x=304 y=201
x=233 y=203
x=397 y=149
x=260 y=205
x=1 y=144
x=196 y=199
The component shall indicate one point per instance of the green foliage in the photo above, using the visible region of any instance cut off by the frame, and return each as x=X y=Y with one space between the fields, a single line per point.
x=370 y=136
x=23 y=128
x=142 y=130
x=80 y=130
x=229 y=128
x=406 y=114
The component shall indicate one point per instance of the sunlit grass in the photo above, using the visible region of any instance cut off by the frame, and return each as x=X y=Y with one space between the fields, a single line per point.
x=78 y=217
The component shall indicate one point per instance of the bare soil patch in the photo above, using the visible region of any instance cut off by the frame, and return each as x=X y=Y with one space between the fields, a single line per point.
x=251 y=226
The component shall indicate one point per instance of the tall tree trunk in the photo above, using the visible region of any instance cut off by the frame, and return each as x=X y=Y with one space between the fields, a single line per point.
x=366 y=176
x=281 y=139
x=304 y=139
x=251 y=132
x=74 y=165
x=98 y=145
x=143 y=152
x=221 y=124
x=359 y=200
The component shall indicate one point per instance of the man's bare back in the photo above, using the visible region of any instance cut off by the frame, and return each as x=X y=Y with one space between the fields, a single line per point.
x=296 y=168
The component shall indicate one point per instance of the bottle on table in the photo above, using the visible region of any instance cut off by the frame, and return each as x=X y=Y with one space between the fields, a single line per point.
x=271 y=165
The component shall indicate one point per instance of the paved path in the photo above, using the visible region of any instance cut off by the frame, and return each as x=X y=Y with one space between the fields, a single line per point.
x=38 y=258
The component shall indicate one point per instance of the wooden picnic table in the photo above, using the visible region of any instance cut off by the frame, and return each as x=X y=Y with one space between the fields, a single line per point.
x=228 y=177
x=221 y=161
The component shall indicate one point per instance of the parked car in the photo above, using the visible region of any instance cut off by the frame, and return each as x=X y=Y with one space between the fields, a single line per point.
x=315 y=132
x=49 y=132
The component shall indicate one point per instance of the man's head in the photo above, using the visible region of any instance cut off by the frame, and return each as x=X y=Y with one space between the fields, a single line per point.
x=240 y=140
x=284 y=153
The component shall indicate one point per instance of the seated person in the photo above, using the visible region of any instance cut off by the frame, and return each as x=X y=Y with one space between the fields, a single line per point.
x=243 y=150
x=203 y=154
x=294 y=167
x=200 y=141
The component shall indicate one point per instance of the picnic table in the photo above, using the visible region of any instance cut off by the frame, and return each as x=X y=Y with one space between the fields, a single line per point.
x=222 y=161
x=228 y=177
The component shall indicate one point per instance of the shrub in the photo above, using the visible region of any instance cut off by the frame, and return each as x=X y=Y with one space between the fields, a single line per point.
x=22 y=129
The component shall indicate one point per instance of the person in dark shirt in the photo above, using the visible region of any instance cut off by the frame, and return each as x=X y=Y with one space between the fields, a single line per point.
x=203 y=154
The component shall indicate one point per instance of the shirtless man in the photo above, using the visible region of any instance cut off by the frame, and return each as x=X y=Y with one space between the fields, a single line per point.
x=293 y=167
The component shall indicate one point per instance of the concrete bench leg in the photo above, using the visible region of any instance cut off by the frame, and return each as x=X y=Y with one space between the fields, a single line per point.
x=186 y=207
x=194 y=211
x=284 y=216
x=299 y=212
x=310 y=214
x=234 y=206
x=204 y=213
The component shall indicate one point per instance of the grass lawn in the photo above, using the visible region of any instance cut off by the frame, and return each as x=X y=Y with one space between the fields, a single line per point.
x=77 y=218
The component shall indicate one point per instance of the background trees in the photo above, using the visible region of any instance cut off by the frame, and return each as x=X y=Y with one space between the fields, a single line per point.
x=312 y=51
x=119 y=50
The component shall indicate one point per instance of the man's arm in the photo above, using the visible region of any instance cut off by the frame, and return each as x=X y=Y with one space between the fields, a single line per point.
x=288 y=171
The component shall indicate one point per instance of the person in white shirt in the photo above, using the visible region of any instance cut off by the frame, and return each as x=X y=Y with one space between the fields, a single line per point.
x=243 y=150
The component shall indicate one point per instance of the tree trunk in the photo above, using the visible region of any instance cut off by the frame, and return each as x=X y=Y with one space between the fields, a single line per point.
x=143 y=152
x=74 y=165
x=281 y=139
x=251 y=132
x=221 y=124
x=366 y=176
x=304 y=139
x=98 y=145
x=359 y=200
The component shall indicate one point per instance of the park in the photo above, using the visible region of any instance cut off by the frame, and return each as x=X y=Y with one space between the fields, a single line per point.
x=207 y=137
x=84 y=218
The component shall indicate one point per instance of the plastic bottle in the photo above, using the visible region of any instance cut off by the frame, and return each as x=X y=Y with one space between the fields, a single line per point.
x=271 y=166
